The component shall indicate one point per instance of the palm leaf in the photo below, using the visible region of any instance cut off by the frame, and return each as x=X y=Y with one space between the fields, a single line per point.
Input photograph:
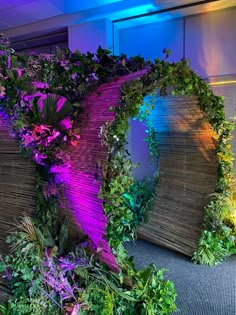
x=53 y=108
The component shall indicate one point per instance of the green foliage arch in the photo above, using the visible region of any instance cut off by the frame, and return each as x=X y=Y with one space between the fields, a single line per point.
x=218 y=236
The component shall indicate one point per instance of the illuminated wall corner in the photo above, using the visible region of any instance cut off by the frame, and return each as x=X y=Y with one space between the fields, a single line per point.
x=88 y=36
x=211 y=42
x=149 y=40
x=225 y=85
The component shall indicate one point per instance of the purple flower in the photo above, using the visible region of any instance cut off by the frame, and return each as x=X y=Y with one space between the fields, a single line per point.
x=61 y=172
x=8 y=274
x=66 y=265
x=73 y=76
x=65 y=123
x=40 y=85
x=69 y=263
x=53 y=136
x=75 y=309
x=39 y=157
x=27 y=140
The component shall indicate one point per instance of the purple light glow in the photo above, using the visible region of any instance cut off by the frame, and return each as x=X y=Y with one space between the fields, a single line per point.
x=81 y=192
x=82 y=182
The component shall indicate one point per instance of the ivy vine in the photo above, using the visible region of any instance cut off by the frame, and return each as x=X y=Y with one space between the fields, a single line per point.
x=218 y=236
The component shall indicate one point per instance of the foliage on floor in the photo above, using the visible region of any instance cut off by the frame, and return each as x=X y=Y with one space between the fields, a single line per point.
x=42 y=282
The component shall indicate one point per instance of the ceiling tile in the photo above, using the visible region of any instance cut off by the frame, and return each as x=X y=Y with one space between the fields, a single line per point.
x=14 y=18
x=39 y=9
x=12 y=3
x=60 y=4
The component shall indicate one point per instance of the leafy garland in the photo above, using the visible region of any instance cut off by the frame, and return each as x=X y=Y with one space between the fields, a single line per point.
x=218 y=237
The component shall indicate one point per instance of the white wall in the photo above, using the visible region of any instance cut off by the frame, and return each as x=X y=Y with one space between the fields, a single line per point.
x=149 y=40
x=88 y=36
x=229 y=92
x=210 y=41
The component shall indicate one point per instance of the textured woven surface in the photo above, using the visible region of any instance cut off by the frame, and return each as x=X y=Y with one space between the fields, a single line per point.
x=201 y=290
x=83 y=183
x=16 y=187
x=188 y=174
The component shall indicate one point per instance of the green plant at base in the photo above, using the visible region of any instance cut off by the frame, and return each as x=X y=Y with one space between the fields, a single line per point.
x=219 y=238
x=140 y=198
x=22 y=271
x=131 y=291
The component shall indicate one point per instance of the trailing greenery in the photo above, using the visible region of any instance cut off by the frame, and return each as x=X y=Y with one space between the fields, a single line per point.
x=47 y=274
x=42 y=283
x=218 y=237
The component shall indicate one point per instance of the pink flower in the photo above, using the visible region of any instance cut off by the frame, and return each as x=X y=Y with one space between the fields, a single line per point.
x=54 y=135
x=42 y=129
x=74 y=138
x=19 y=72
x=27 y=140
x=2 y=91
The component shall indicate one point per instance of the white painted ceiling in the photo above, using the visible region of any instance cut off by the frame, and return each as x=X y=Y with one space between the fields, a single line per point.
x=18 y=14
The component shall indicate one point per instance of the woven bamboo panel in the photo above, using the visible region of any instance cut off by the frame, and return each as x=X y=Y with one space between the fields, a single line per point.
x=16 y=188
x=82 y=187
x=188 y=174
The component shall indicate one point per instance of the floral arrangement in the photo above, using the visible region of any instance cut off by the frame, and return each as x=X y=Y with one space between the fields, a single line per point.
x=48 y=274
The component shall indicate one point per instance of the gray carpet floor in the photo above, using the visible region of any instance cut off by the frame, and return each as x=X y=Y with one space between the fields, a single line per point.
x=201 y=290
